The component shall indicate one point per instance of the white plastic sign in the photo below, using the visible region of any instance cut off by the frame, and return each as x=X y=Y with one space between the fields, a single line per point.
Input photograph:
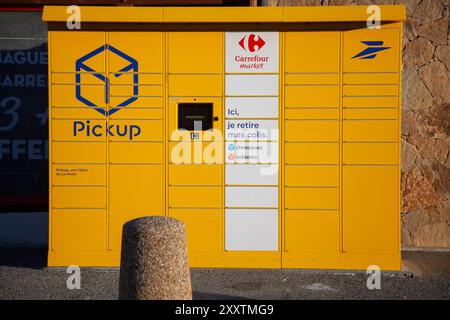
x=252 y=52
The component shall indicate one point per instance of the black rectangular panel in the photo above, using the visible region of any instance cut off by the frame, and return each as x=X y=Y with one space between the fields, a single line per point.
x=191 y=114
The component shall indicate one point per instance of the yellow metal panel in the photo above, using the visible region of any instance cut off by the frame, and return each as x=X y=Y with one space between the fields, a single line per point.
x=136 y=152
x=371 y=153
x=144 y=46
x=86 y=78
x=311 y=114
x=137 y=113
x=78 y=152
x=135 y=191
x=312 y=96
x=107 y=14
x=371 y=113
x=370 y=78
x=386 y=60
x=67 y=47
x=203 y=228
x=371 y=215
x=136 y=130
x=312 y=176
x=146 y=102
x=63 y=95
x=224 y=14
x=203 y=137
x=196 y=152
x=313 y=260
x=236 y=259
x=312 y=198
x=144 y=90
x=370 y=102
x=348 y=261
x=354 y=261
x=143 y=78
x=373 y=130
x=312 y=78
x=340 y=13
x=312 y=130
x=195 y=197
x=305 y=51
x=79 y=174
x=312 y=153
x=195 y=52
x=371 y=90
x=312 y=231
x=78 y=230
x=188 y=175
x=79 y=197
x=69 y=130
x=195 y=85
x=75 y=113
x=83 y=258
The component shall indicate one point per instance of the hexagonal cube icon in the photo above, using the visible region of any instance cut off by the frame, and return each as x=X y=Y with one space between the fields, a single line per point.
x=82 y=68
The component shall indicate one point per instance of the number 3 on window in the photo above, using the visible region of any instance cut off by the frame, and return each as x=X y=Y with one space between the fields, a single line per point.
x=10 y=104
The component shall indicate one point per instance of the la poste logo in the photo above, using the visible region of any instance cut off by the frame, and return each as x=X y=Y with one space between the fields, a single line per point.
x=251 y=52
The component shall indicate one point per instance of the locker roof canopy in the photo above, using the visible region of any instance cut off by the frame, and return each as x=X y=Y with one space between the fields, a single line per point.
x=225 y=14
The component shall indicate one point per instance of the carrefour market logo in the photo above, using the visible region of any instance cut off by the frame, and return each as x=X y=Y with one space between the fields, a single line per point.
x=81 y=65
x=251 y=59
x=252 y=43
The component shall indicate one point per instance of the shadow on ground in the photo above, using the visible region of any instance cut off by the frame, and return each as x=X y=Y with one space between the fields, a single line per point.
x=24 y=258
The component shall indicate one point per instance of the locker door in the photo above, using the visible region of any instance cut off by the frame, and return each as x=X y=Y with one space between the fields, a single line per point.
x=136 y=190
x=311 y=144
x=78 y=157
x=136 y=156
x=374 y=50
x=370 y=220
x=68 y=47
x=195 y=62
x=371 y=130
x=135 y=70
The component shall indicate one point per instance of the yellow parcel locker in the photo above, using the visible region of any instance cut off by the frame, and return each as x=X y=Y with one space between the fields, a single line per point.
x=272 y=133
x=142 y=196
x=195 y=52
x=68 y=47
x=201 y=222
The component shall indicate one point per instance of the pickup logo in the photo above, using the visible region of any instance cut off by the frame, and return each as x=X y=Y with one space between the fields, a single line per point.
x=131 y=67
x=373 y=48
x=88 y=129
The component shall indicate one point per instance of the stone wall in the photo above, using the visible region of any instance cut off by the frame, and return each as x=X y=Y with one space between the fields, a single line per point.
x=425 y=116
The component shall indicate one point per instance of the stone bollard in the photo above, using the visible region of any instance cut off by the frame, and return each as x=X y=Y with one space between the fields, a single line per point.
x=154 y=263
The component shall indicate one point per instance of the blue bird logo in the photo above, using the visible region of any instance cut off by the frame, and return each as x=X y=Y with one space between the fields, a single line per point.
x=373 y=48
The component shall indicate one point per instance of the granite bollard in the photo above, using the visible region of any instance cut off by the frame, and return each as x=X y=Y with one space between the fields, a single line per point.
x=154 y=263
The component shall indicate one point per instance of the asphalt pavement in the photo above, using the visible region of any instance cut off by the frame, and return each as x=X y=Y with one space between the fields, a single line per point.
x=426 y=275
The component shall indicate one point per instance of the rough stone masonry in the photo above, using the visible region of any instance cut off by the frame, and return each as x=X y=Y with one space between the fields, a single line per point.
x=425 y=180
